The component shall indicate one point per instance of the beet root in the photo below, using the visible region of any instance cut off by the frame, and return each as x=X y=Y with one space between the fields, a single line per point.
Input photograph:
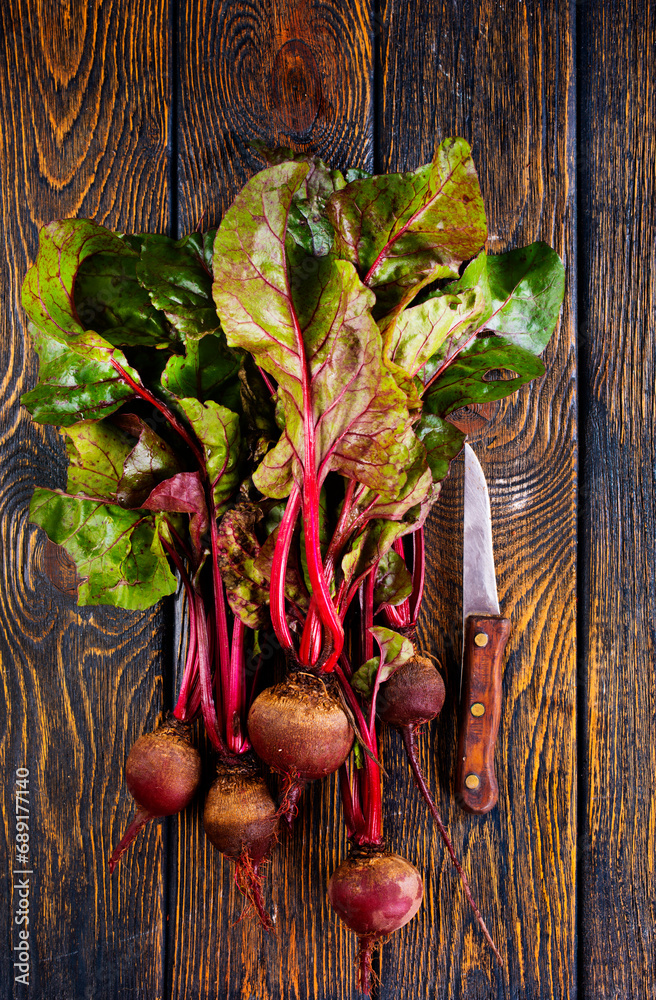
x=299 y=728
x=241 y=821
x=414 y=694
x=374 y=893
x=162 y=772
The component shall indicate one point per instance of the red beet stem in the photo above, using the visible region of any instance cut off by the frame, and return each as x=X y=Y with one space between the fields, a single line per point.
x=408 y=735
x=182 y=710
x=205 y=670
x=367 y=604
x=141 y=391
x=348 y=805
x=373 y=803
x=418 y=573
x=395 y=618
x=235 y=693
x=310 y=648
x=222 y=638
x=141 y=818
x=403 y=608
x=320 y=588
x=267 y=381
x=279 y=569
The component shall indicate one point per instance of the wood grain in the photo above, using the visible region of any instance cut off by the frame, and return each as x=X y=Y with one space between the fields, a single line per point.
x=617 y=173
x=84 y=104
x=280 y=72
x=505 y=82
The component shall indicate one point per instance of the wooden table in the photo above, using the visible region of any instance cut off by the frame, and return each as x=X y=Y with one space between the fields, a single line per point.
x=140 y=114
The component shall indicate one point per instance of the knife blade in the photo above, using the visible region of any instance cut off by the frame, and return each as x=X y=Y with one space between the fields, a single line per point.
x=485 y=634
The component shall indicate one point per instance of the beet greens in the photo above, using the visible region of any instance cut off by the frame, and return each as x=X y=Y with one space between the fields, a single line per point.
x=259 y=416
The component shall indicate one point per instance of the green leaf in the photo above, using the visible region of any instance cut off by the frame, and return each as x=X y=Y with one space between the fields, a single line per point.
x=274 y=475
x=217 y=429
x=117 y=553
x=96 y=452
x=377 y=444
x=178 y=278
x=399 y=228
x=207 y=371
x=251 y=284
x=442 y=442
x=395 y=650
x=356 y=174
x=322 y=325
x=47 y=293
x=393 y=581
x=464 y=381
x=441 y=324
x=258 y=413
x=76 y=382
x=374 y=541
x=523 y=290
x=150 y=461
x=416 y=488
x=364 y=678
x=110 y=300
x=308 y=225
x=358 y=755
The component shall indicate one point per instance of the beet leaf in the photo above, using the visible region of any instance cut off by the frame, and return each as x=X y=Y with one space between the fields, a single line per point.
x=208 y=370
x=117 y=553
x=77 y=381
x=399 y=229
x=217 y=428
x=466 y=380
x=96 y=452
x=177 y=275
x=523 y=290
x=150 y=461
x=395 y=650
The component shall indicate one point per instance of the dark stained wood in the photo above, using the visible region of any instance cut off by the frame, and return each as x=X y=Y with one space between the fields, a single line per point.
x=295 y=74
x=84 y=105
x=617 y=173
x=282 y=72
x=502 y=77
x=476 y=787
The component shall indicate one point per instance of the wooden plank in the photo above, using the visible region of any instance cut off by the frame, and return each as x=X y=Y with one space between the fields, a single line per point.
x=283 y=72
x=84 y=99
x=503 y=79
x=616 y=240
x=299 y=74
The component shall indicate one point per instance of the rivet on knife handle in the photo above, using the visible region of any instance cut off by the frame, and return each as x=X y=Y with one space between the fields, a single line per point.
x=485 y=640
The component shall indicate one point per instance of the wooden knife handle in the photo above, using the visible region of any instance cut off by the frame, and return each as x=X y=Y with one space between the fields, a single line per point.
x=485 y=641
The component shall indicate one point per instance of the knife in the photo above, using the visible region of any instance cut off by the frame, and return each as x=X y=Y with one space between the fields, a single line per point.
x=485 y=634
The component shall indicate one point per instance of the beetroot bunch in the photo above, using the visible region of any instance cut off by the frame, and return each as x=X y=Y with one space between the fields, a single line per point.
x=259 y=415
